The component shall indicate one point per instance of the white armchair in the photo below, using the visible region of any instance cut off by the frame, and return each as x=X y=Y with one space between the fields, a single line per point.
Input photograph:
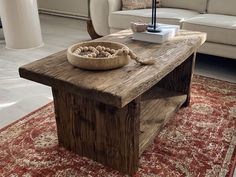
x=100 y=11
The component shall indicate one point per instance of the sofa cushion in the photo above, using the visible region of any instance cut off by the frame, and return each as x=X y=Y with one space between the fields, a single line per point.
x=227 y=7
x=222 y=50
x=197 y=5
x=122 y=19
x=219 y=28
x=137 y=4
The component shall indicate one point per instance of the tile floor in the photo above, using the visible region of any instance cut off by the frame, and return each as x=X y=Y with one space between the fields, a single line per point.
x=18 y=96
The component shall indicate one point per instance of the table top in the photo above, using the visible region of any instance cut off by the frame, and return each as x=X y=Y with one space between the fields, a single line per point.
x=120 y=86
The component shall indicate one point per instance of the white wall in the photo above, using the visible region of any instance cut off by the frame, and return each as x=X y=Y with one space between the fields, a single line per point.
x=74 y=7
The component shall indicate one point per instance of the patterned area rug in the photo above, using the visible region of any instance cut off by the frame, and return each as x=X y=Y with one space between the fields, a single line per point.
x=198 y=142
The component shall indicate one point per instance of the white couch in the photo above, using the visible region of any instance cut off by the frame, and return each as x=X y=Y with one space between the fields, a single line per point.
x=215 y=17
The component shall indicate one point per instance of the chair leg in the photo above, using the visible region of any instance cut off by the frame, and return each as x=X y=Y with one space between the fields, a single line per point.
x=91 y=30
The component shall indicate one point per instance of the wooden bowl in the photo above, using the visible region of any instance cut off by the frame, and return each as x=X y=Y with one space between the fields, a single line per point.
x=97 y=63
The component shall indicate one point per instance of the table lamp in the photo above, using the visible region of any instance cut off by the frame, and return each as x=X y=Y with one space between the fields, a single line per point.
x=153 y=27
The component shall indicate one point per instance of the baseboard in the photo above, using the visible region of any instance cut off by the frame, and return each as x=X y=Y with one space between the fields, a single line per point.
x=63 y=14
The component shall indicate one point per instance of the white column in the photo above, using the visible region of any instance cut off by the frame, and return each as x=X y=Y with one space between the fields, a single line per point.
x=20 y=21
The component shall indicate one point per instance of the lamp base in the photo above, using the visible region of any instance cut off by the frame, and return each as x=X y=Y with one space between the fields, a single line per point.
x=151 y=29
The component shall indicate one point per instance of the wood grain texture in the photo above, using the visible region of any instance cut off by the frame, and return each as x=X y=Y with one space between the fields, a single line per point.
x=180 y=79
x=104 y=133
x=157 y=107
x=99 y=114
x=116 y=87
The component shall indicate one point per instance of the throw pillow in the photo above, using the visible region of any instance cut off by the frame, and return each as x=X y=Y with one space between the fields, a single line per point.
x=137 y=4
x=149 y=3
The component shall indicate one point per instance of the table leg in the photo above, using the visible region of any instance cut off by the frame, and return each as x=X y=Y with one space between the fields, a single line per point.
x=180 y=79
x=98 y=131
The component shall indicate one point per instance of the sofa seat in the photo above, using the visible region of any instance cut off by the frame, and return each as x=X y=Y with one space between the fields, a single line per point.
x=217 y=18
x=219 y=28
x=122 y=19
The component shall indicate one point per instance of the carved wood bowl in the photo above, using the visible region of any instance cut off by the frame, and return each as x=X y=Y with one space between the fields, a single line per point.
x=102 y=63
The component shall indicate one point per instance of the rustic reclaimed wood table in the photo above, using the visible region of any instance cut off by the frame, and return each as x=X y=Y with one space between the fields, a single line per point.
x=112 y=116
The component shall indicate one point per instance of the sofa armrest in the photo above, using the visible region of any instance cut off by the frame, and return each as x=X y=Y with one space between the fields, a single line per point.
x=114 y=5
x=99 y=12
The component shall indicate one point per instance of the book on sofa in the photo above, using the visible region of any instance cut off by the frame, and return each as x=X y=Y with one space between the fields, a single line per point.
x=167 y=32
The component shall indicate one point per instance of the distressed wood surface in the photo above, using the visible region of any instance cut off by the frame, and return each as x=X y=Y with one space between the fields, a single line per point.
x=157 y=107
x=116 y=87
x=104 y=133
x=112 y=116
x=180 y=79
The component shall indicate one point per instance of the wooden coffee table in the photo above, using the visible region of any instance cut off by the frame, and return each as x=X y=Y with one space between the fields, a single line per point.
x=112 y=116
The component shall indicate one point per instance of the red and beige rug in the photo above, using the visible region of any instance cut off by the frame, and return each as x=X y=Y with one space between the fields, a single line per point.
x=198 y=142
